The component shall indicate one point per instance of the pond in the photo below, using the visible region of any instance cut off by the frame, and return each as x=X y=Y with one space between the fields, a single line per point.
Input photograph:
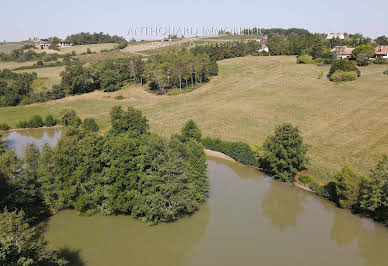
x=249 y=219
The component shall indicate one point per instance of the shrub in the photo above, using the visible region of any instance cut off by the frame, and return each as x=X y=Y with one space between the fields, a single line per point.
x=4 y=126
x=36 y=121
x=90 y=124
x=341 y=76
x=284 y=153
x=76 y=122
x=385 y=72
x=344 y=65
x=119 y=97
x=348 y=184
x=304 y=59
x=305 y=179
x=239 y=151
x=67 y=117
x=380 y=61
x=50 y=121
x=22 y=124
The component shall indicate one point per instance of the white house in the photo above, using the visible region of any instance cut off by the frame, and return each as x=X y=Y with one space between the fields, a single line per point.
x=342 y=51
x=382 y=51
x=42 y=44
x=340 y=36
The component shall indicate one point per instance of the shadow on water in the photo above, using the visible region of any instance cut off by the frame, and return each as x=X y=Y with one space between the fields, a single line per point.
x=72 y=256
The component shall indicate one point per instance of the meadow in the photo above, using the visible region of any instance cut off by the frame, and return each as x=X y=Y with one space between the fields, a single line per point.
x=343 y=123
x=83 y=48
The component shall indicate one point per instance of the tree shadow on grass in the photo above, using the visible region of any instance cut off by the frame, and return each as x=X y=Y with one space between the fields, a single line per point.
x=72 y=256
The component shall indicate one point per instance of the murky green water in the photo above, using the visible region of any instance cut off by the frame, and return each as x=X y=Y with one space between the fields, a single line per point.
x=249 y=219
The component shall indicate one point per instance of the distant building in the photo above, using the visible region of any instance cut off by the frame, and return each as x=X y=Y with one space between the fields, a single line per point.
x=42 y=44
x=340 y=36
x=342 y=51
x=64 y=44
x=382 y=51
x=264 y=48
x=263 y=40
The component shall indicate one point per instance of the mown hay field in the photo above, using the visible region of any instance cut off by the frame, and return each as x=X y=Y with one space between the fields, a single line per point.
x=343 y=123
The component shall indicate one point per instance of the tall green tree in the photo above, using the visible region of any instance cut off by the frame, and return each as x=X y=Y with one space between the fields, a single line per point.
x=21 y=244
x=191 y=131
x=348 y=187
x=285 y=154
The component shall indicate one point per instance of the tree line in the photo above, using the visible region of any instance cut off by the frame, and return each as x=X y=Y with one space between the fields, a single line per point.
x=127 y=171
x=93 y=38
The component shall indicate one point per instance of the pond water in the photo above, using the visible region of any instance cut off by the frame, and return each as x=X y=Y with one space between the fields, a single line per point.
x=249 y=219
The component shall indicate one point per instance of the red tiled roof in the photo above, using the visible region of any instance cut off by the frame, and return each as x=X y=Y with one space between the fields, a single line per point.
x=383 y=49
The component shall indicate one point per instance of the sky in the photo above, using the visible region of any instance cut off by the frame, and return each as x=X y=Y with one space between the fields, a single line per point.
x=21 y=19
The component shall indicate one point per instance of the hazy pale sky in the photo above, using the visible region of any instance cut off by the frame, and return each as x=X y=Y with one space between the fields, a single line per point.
x=21 y=19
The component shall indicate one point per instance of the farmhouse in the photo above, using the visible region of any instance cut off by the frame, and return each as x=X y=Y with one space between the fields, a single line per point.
x=335 y=35
x=42 y=44
x=382 y=51
x=264 y=48
x=342 y=51
x=64 y=44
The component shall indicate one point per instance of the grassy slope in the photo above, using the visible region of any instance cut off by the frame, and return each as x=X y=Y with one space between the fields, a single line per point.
x=342 y=122
x=83 y=48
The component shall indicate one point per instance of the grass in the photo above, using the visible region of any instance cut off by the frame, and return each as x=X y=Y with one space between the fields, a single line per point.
x=83 y=48
x=47 y=76
x=344 y=123
x=8 y=47
x=13 y=65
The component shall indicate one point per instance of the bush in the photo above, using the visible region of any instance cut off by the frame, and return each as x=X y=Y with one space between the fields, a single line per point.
x=23 y=124
x=344 y=65
x=305 y=179
x=90 y=124
x=341 y=76
x=380 y=61
x=385 y=72
x=304 y=59
x=119 y=97
x=239 y=151
x=4 y=126
x=76 y=122
x=68 y=117
x=36 y=121
x=50 y=121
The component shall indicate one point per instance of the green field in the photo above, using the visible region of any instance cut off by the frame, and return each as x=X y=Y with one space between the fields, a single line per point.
x=48 y=76
x=344 y=123
x=83 y=48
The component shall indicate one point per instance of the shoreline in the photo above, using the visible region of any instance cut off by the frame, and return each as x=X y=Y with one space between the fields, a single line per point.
x=29 y=128
x=223 y=156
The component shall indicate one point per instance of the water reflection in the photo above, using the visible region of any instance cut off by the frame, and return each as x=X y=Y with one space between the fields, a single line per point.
x=282 y=205
x=17 y=140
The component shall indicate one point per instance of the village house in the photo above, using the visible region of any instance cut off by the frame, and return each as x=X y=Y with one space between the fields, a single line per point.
x=263 y=40
x=64 y=44
x=41 y=44
x=264 y=48
x=340 y=36
x=342 y=51
x=382 y=51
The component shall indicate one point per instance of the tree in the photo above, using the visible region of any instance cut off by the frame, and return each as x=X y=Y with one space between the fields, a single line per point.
x=362 y=54
x=21 y=244
x=76 y=79
x=132 y=120
x=90 y=124
x=382 y=40
x=374 y=194
x=54 y=41
x=348 y=185
x=284 y=153
x=191 y=131
x=68 y=117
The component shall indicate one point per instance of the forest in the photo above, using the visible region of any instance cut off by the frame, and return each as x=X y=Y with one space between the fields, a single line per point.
x=92 y=38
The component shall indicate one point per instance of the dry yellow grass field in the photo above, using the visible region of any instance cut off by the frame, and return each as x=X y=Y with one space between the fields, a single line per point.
x=344 y=123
